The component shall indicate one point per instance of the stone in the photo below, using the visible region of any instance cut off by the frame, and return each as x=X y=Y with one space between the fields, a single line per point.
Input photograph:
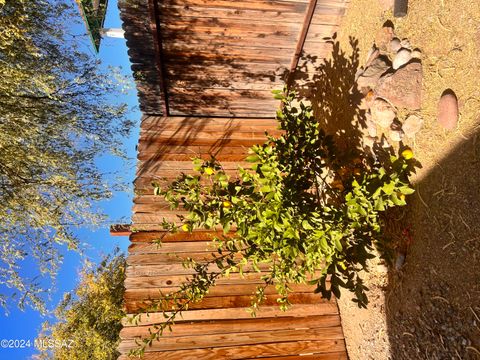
x=395 y=45
x=406 y=44
x=372 y=55
x=412 y=125
x=403 y=88
x=372 y=74
x=396 y=135
x=417 y=54
x=358 y=73
x=382 y=112
x=403 y=57
x=383 y=37
x=386 y=4
x=448 y=110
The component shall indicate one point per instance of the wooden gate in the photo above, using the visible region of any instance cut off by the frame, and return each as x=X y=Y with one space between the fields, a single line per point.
x=204 y=71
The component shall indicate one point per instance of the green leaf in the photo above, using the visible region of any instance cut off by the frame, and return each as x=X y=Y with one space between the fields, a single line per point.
x=252 y=158
x=306 y=225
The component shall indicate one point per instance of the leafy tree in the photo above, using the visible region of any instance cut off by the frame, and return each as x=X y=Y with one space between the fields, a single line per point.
x=306 y=212
x=56 y=118
x=89 y=319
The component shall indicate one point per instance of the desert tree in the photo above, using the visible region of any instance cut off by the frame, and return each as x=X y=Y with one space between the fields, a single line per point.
x=57 y=117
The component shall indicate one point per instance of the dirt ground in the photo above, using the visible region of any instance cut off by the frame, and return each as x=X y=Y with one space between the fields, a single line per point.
x=430 y=308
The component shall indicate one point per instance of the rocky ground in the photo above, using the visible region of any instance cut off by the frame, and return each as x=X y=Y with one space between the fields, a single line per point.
x=418 y=81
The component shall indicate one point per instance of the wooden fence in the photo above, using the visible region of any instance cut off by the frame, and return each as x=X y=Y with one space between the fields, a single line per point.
x=204 y=71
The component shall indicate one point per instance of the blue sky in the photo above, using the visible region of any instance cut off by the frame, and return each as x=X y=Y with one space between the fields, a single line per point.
x=26 y=325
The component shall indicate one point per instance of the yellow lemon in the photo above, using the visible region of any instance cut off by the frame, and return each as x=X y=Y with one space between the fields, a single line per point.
x=407 y=154
x=209 y=171
x=185 y=227
x=227 y=204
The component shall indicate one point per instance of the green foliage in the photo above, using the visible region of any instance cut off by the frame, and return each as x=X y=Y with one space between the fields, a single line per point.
x=56 y=118
x=89 y=319
x=306 y=212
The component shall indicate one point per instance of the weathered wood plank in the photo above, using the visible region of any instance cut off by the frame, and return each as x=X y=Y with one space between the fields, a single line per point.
x=242 y=301
x=167 y=237
x=175 y=269
x=328 y=14
x=153 y=123
x=237 y=326
x=159 y=156
x=219 y=290
x=212 y=142
x=273 y=5
x=184 y=247
x=341 y=355
x=255 y=351
x=172 y=258
x=170 y=281
x=264 y=312
x=241 y=338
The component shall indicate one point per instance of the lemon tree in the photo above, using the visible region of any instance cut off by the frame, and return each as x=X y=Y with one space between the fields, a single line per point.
x=304 y=212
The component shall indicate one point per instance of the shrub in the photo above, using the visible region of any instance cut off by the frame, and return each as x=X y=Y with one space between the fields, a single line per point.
x=305 y=211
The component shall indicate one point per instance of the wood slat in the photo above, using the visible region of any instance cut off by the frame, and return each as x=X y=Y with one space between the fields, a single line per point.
x=212 y=142
x=220 y=290
x=252 y=351
x=264 y=312
x=273 y=5
x=166 y=237
x=154 y=125
x=237 y=326
x=242 y=301
x=184 y=247
x=171 y=281
x=168 y=258
x=149 y=122
x=176 y=269
x=236 y=339
x=159 y=156
x=341 y=355
x=328 y=13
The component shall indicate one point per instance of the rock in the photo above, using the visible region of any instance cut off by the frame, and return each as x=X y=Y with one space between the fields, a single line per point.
x=403 y=57
x=396 y=135
x=367 y=101
x=386 y=4
x=358 y=73
x=417 y=54
x=403 y=88
x=372 y=74
x=382 y=113
x=395 y=45
x=383 y=37
x=412 y=125
x=372 y=55
x=406 y=44
x=448 y=110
